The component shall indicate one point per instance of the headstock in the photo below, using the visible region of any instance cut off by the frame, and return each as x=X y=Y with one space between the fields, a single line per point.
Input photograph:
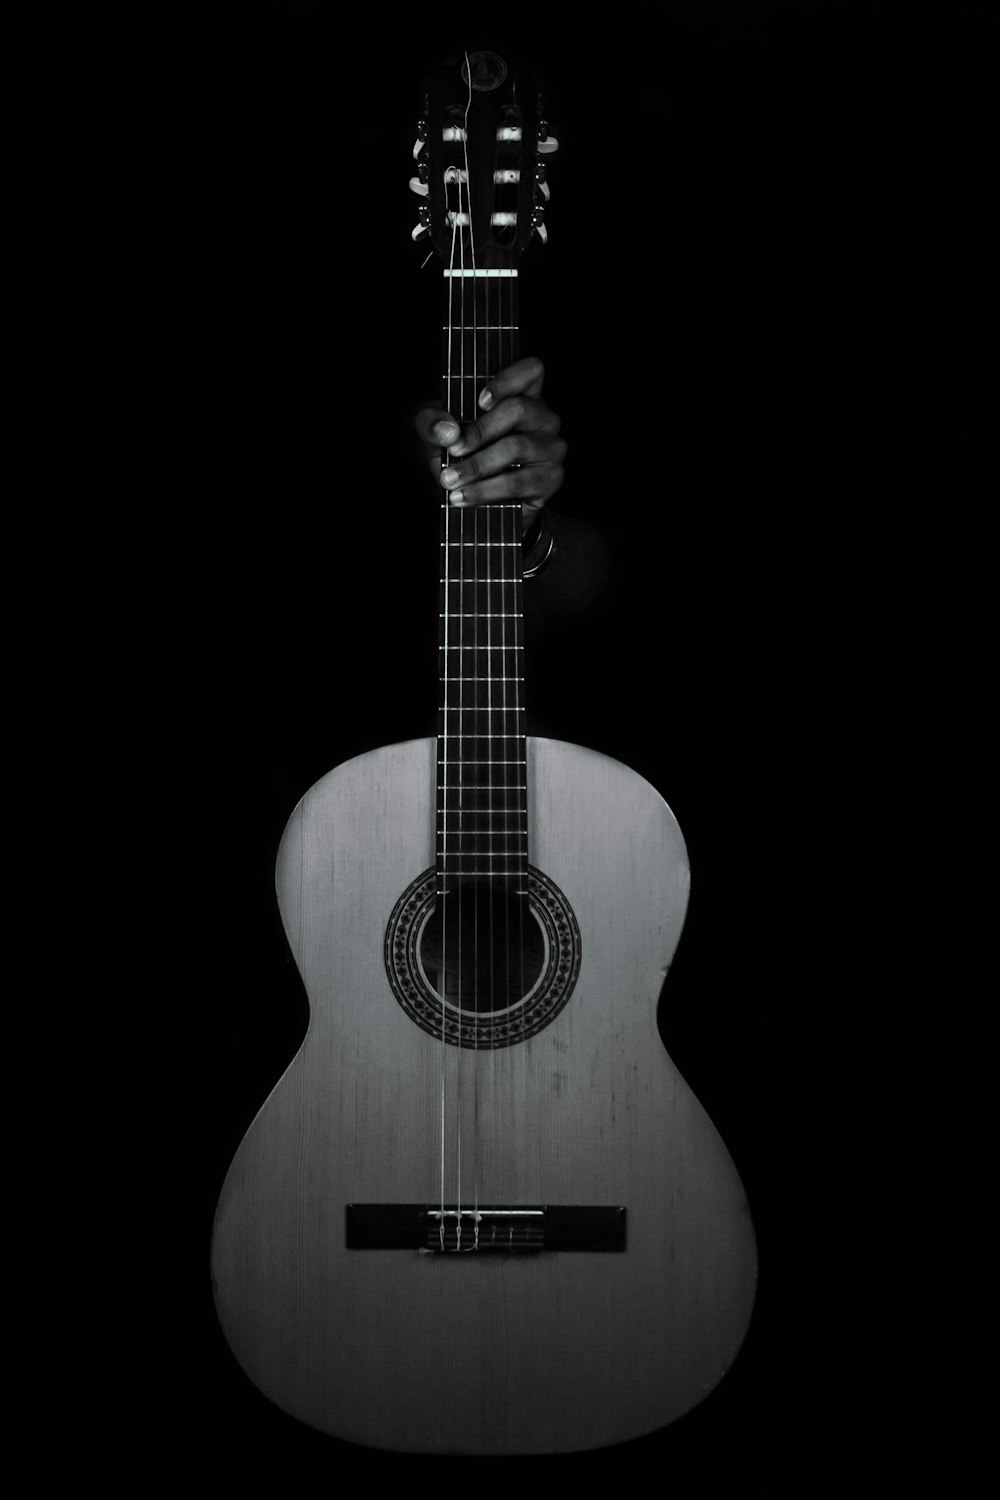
x=479 y=162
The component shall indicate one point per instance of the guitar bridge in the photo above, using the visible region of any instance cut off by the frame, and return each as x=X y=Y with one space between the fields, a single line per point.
x=483 y=1231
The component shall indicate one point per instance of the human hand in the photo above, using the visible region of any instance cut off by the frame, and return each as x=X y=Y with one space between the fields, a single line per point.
x=512 y=451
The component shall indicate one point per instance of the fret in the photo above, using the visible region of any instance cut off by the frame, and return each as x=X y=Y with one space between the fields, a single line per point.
x=477 y=791
x=504 y=842
x=486 y=811
x=469 y=851
x=491 y=274
x=487 y=546
x=470 y=835
x=474 y=597
x=497 y=875
x=455 y=801
x=478 y=720
x=453 y=762
x=475 y=670
x=484 y=807
x=454 y=614
x=479 y=856
x=483 y=645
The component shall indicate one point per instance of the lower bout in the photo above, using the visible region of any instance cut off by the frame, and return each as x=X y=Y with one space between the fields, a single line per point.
x=553 y=1352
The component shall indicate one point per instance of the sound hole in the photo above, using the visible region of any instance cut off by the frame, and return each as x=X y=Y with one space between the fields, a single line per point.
x=482 y=949
x=509 y=964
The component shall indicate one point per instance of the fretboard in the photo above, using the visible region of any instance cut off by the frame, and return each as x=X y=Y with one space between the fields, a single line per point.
x=482 y=830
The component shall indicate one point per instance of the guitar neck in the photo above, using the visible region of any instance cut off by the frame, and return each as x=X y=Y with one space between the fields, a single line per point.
x=482 y=779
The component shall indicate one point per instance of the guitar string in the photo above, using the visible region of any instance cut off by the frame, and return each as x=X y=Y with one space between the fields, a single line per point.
x=444 y=756
x=473 y=387
x=459 y=991
x=521 y=742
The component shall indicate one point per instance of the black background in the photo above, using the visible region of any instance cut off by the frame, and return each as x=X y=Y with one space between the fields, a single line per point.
x=720 y=309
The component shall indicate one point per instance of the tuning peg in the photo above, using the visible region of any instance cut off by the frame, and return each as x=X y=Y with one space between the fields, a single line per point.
x=543 y=188
x=418 y=231
x=418 y=144
x=537 y=223
x=549 y=143
x=416 y=186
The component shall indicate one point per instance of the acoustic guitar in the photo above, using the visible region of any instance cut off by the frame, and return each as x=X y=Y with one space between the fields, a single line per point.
x=481 y=1212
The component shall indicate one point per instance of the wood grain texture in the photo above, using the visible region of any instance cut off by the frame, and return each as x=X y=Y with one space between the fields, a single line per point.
x=546 y=1353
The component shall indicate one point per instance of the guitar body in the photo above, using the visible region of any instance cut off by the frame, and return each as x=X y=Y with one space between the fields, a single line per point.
x=483 y=1354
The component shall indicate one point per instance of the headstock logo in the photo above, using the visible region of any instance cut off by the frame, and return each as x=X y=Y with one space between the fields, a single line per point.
x=488 y=71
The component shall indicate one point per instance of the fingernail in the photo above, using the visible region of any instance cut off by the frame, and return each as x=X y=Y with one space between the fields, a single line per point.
x=449 y=477
x=485 y=400
x=446 y=432
x=456 y=498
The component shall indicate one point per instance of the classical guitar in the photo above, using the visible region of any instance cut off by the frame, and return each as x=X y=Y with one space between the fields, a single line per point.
x=481 y=1212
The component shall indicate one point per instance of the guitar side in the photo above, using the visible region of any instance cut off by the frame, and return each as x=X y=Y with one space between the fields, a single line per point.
x=552 y=1352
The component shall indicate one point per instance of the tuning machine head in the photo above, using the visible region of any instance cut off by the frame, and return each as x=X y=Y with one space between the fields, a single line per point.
x=546 y=143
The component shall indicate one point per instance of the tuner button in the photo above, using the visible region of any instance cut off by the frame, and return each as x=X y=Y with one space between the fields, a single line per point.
x=418 y=231
x=416 y=186
x=549 y=144
x=544 y=189
x=543 y=233
x=418 y=144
